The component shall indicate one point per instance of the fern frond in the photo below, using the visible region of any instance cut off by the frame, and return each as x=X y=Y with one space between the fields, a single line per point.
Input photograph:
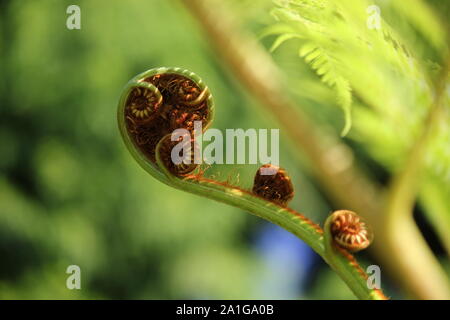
x=325 y=67
x=283 y=38
x=348 y=56
x=276 y=29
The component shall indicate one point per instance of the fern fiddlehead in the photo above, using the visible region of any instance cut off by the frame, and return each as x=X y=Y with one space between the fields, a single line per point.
x=350 y=231
x=156 y=102
x=276 y=186
x=160 y=100
x=336 y=254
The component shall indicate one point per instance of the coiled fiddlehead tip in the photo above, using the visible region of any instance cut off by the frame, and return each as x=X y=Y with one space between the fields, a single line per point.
x=274 y=184
x=349 y=231
x=154 y=104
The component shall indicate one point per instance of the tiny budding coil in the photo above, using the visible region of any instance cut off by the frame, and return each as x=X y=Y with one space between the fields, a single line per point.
x=275 y=186
x=143 y=104
x=185 y=163
x=350 y=231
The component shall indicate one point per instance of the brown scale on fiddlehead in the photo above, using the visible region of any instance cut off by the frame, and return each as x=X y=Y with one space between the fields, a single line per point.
x=184 y=103
x=276 y=186
x=179 y=91
x=171 y=101
x=350 y=231
x=179 y=118
x=191 y=94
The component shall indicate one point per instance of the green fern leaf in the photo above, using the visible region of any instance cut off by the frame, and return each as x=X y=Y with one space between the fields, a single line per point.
x=326 y=68
x=283 y=38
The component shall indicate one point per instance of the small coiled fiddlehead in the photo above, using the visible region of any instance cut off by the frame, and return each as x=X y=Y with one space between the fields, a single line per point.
x=158 y=101
x=336 y=253
x=350 y=231
x=276 y=187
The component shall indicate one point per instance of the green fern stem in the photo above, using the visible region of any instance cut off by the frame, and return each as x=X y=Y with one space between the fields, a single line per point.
x=296 y=223
x=343 y=263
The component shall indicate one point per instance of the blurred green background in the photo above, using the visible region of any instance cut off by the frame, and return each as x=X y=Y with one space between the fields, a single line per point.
x=70 y=193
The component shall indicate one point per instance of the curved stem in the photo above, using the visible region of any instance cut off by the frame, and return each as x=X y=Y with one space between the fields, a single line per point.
x=340 y=260
x=402 y=234
x=347 y=267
